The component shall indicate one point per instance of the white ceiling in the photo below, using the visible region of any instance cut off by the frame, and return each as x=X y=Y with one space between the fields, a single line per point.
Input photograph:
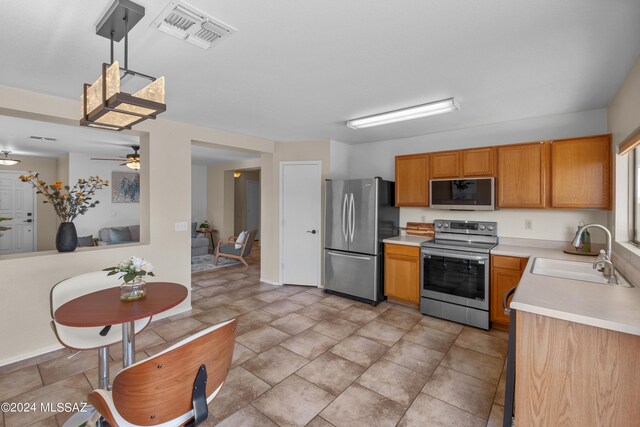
x=15 y=136
x=298 y=70
x=213 y=156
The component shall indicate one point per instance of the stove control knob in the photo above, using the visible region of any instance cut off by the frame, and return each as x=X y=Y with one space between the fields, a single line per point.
x=482 y=226
x=446 y=225
x=490 y=227
x=438 y=224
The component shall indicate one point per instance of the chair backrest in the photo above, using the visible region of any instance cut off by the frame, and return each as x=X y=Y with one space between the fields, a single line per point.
x=251 y=237
x=160 y=389
x=81 y=284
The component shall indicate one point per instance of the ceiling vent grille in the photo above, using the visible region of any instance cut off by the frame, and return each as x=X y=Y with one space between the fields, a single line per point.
x=185 y=22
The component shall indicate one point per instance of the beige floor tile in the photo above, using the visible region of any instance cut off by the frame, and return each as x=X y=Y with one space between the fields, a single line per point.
x=293 y=402
x=431 y=338
x=305 y=298
x=241 y=388
x=336 y=328
x=472 y=363
x=309 y=344
x=144 y=340
x=235 y=276
x=114 y=368
x=400 y=319
x=19 y=382
x=357 y=315
x=262 y=338
x=57 y=369
x=215 y=301
x=429 y=411
x=494 y=332
x=414 y=356
x=441 y=325
x=337 y=302
x=361 y=407
x=271 y=296
x=360 y=350
x=205 y=283
x=319 y=312
x=483 y=343
x=246 y=305
x=317 y=291
x=499 y=397
x=381 y=332
x=293 y=323
x=331 y=373
x=496 y=416
x=396 y=382
x=293 y=289
x=241 y=354
x=255 y=318
x=282 y=307
x=72 y=389
x=248 y=416
x=178 y=328
x=275 y=364
x=33 y=361
x=48 y=422
x=217 y=315
x=463 y=391
x=319 y=422
x=212 y=291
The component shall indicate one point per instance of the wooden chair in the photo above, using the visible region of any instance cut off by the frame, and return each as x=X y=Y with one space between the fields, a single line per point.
x=173 y=387
x=227 y=248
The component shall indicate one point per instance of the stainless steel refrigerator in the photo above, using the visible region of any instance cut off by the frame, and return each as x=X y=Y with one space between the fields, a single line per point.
x=360 y=213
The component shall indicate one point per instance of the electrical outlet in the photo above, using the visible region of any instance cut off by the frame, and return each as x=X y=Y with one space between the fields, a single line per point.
x=182 y=226
x=528 y=224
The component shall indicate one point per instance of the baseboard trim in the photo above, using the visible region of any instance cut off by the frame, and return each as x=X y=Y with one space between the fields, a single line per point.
x=30 y=355
x=270 y=282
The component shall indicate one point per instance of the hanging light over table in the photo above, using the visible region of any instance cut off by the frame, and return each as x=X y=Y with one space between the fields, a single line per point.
x=104 y=105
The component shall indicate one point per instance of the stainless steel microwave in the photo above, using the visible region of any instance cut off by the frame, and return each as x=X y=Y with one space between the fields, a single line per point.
x=469 y=194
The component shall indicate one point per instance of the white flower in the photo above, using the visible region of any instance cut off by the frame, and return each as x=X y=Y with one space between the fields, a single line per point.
x=137 y=262
x=146 y=266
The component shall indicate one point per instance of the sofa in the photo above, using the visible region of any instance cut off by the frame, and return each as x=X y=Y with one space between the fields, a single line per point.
x=199 y=242
x=118 y=235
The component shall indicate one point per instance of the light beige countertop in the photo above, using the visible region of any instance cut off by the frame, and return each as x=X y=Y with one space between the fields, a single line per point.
x=610 y=307
x=407 y=240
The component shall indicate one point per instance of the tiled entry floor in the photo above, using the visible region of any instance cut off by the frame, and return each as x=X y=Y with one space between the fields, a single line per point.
x=306 y=358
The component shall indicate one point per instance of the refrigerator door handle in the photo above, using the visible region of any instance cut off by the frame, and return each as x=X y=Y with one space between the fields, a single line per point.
x=344 y=217
x=349 y=256
x=352 y=219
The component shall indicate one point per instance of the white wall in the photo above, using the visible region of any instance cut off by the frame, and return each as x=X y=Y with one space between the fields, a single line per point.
x=106 y=213
x=198 y=193
x=377 y=159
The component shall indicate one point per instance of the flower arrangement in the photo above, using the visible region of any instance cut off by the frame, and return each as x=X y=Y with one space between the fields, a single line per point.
x=204 y=225
x=68 y=202
x=131 y=269
x=2 y=228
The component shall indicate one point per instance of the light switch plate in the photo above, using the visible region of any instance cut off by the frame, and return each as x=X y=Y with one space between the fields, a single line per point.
x=528 y=224
x=182 y=226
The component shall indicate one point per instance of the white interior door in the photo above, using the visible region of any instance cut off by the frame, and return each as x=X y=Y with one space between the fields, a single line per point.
x=253 y=206
x=16 y=202
x=300 y=222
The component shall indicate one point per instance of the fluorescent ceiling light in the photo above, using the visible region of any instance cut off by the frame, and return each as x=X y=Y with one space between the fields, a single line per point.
x=417 y=112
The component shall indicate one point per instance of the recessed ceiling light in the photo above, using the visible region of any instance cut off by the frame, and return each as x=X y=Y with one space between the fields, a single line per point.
x=410 y=113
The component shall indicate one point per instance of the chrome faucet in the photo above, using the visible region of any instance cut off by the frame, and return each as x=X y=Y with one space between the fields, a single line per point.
x=608 y=271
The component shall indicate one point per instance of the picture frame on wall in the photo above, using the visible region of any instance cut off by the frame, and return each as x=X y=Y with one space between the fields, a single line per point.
x=125 y=187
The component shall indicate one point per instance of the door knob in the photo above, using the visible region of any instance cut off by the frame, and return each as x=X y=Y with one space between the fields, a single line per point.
x=312 y=231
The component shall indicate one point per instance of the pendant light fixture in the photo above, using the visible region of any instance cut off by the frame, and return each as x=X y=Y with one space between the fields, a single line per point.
x=104 y=105
x=8 y=161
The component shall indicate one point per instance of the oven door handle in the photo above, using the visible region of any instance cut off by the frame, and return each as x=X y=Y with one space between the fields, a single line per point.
x=457 y=256
x=505 y=307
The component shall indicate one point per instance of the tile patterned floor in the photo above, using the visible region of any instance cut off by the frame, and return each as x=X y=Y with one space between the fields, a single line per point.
x=303 y=357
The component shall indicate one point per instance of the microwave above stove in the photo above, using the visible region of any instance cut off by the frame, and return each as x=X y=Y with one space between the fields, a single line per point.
x=469 y=194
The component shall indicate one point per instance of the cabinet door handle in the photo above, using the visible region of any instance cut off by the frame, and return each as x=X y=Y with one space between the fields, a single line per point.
x=507 y=294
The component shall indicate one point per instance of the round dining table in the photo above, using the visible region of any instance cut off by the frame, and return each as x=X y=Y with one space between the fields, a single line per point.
x=104 y=308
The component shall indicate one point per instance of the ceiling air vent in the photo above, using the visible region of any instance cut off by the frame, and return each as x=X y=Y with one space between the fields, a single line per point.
x=185 y=22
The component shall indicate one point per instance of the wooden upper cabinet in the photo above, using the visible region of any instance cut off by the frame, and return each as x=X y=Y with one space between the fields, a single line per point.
x=522 y=175
x=478 y=162
x=412 y=180
x=445 y=164
x=581 y=173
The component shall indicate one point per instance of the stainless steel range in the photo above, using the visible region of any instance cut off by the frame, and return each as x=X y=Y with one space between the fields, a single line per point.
x=455 y=276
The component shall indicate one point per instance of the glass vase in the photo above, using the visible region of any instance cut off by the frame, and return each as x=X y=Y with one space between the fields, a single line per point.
x=132 y=291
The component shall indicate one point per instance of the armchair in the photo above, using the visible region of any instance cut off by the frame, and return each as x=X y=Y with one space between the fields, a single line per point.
x=227 y=248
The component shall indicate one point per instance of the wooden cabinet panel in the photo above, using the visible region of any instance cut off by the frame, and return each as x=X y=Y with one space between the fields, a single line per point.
x=522 y=175
x=445 y=164
x=402 y=273
x=412 y=180
x=505 y=274
x=478 y=162
x=581 y=173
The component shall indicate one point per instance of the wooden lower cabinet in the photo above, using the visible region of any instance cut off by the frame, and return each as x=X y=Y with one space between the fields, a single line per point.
x=402 y=273
x=506 y=272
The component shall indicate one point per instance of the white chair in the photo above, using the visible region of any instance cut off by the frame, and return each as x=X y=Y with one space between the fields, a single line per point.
x=99 y=338
x=173 y=387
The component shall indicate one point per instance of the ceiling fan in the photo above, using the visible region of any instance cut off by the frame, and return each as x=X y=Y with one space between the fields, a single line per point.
x=132 y=161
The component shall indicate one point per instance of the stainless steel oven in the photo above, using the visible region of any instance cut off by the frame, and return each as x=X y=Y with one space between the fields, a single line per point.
x=455 y=272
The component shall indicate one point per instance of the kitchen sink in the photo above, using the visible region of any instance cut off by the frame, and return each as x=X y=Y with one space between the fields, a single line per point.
x=574 y=270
